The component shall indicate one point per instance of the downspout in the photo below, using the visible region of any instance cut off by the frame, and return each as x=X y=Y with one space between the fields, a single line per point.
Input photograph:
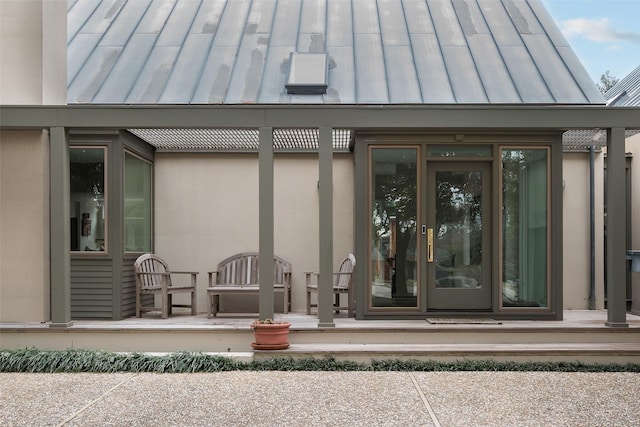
x=592 y=231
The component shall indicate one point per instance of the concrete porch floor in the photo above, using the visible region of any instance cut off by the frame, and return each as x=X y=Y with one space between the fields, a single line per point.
x=581 y=336
x=181 y=319
x=571 y=319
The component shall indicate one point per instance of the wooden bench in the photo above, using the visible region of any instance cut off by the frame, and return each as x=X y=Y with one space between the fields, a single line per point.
x=239 y=274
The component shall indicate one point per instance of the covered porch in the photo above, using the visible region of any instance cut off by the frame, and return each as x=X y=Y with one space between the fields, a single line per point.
x=455 y=119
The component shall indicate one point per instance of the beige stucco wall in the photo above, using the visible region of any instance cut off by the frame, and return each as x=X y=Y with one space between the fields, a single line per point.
x=576 y=228
x=24 y=226
x=33 y=71
x=207 y=210
x=33 y=52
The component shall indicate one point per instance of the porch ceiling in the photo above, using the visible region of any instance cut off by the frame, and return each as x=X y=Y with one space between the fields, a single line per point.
x=296 y=140
x=238 y=140
x=580 y=140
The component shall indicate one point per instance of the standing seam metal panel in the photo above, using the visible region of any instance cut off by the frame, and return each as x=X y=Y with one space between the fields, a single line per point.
x=489 y=65
x=283 y=41
x=251 y=53
x=149 y=83
x=183 y=81
x=370 y=73
x=89 y=35
x=523 y=71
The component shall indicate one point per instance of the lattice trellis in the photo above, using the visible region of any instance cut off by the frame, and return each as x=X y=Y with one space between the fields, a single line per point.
x=290 y=139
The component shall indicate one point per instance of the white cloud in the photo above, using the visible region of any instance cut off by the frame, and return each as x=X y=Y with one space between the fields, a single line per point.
x=598 y=30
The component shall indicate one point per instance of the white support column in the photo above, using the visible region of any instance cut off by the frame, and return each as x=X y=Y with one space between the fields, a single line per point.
x=325 y=280
x=60 y=243
x=616 y=230
x=266 y=221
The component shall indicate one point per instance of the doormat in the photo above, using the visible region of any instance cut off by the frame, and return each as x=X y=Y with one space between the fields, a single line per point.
x=445 y=321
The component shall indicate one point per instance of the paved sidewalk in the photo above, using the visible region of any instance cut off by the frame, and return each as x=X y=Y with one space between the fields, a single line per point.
x=321 y=399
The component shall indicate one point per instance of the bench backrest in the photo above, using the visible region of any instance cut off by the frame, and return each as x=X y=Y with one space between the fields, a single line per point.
x=150 y=263
x=243 y=269
x=346 y=270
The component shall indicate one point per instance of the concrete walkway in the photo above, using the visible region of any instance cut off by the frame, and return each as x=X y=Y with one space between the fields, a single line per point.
x=321 y=399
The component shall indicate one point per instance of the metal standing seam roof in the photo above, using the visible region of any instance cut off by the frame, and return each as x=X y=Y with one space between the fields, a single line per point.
x=625 y=93
x=380 y=52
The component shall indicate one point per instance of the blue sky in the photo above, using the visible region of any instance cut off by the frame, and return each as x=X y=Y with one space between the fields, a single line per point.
x=605 y=34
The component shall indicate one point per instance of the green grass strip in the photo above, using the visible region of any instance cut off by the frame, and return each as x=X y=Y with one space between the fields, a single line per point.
x=72 y=360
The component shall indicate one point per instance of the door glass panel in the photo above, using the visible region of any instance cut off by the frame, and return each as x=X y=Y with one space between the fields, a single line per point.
x=393 y=269
x=524 y=228
x=458 y=229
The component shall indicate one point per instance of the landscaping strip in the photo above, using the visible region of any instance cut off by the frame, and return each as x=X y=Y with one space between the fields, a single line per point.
x=74 y=360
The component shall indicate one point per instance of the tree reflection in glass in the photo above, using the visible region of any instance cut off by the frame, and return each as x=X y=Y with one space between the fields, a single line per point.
x=458 y=229
x=394 y=226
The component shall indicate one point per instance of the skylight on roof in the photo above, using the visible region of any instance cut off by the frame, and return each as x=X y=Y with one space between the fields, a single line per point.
x=307 y=73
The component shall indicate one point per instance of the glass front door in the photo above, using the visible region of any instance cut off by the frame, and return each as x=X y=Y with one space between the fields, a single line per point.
x=458 y=253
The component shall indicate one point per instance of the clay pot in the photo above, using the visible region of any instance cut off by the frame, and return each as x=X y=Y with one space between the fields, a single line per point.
x=270 y=336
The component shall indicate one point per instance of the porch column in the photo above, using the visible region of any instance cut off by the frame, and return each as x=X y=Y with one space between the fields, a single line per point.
x=265 y=222
x=325 y=280
x=616 y=230
x=60 y=240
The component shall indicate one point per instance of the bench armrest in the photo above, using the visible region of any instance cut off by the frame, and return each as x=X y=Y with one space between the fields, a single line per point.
x=212 y=277
x=166 y=273
x=308 y=275
x=335 y=274
x=193 y=274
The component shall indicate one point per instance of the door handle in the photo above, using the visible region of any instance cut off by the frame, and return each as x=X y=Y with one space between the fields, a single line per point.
x=430 y=245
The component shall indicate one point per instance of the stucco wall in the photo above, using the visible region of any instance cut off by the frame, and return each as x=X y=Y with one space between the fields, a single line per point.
x=24 y=226
x=33 y=48
x=207 y=210
x=576 y=223
x=33 y=71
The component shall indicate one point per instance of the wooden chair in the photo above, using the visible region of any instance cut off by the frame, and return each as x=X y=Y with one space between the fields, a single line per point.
x=153 y=277
x=239 y=274
x=342 y=284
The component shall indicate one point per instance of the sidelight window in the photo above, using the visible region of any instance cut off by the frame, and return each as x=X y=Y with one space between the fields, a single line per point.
x=137 y=204
x=525 y=213
x=393 y=210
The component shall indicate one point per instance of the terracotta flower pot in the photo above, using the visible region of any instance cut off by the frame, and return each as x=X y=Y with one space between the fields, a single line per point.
x=270 y=336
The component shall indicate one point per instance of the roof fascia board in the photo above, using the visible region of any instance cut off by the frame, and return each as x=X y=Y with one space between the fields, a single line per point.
x=300 y=116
